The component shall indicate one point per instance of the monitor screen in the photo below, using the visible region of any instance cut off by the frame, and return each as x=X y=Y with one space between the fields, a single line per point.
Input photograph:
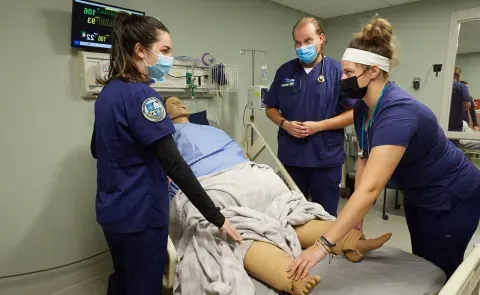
x=92 y=23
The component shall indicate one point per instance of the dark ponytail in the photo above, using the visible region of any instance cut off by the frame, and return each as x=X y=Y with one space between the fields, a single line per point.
x=129 y=30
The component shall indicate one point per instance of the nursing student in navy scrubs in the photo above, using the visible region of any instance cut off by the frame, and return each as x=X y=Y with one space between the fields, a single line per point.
x=459 y=104
x=305 y=102
x=400 y=138
x=132 y=142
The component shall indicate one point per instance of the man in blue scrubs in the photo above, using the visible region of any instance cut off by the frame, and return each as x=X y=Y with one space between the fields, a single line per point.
x=460 y=103
x=306 y=103
x=471 y=111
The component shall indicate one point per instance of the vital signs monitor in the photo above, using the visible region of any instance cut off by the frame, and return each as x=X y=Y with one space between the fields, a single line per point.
x=92 y=24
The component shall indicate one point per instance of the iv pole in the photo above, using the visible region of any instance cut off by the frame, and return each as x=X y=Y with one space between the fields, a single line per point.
x=253 y=51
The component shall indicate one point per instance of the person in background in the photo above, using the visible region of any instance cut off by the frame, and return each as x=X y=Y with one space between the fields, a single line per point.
x=132 y=142
x=400 y=139
x=471 y=111
x=306 y=103
x=460 y=102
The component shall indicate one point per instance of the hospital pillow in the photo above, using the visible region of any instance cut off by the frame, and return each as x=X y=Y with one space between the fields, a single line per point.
x=199 y=118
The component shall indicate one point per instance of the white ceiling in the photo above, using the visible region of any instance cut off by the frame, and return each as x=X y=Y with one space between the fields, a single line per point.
x=469 y=38
x=332 y=8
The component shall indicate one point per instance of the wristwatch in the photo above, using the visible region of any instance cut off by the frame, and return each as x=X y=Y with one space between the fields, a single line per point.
x=281 y=123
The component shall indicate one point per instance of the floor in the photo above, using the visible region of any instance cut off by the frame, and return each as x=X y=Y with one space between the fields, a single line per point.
x=374 y=226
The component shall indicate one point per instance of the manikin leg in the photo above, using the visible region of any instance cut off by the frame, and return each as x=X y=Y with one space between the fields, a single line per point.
x=354 y=245
x=269 y=264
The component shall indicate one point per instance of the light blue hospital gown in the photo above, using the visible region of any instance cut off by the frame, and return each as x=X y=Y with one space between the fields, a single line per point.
x=206 y=150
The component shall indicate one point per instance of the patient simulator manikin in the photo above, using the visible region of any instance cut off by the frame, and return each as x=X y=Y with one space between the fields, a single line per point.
x=263 y=261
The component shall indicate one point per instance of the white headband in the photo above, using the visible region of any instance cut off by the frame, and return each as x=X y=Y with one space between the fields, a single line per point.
x=366 y=58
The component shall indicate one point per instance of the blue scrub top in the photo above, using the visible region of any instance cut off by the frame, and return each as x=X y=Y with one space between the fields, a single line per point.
x=460 y=94
x=207 y=149
x=465 y=117
x=305 y=99
x=132 y=187
x=432 y=169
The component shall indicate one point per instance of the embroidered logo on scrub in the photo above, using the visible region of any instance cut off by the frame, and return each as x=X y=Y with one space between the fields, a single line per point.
x=153 y=109
x=287 y=82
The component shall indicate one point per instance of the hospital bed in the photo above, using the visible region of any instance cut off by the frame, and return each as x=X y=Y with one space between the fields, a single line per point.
x=385 y=271
x=473 y=155
x=466 y=279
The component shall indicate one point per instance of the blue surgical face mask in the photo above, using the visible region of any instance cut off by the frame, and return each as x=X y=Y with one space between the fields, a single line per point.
x=307 y=54
x=161 y=68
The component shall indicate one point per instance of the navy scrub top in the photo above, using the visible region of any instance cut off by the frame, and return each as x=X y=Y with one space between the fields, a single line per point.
x=132 y=187
x=460 y=94
x=300 y=97
x=432 y=169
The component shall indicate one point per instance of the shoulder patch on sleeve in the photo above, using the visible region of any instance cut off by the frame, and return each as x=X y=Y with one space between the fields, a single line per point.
x=153 y=110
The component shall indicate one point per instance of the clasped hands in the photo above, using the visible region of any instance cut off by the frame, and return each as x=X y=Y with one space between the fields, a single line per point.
x=302 y=129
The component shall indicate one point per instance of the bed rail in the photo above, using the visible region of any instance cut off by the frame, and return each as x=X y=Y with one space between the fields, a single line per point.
x=253 y=150
x=473 y=155
x=171 y=265
x=466 y=279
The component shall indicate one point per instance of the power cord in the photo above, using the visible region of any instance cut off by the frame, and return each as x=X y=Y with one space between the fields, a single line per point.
x=244 y=111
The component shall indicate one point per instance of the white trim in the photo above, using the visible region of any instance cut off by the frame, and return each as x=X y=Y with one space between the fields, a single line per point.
x=457 y=18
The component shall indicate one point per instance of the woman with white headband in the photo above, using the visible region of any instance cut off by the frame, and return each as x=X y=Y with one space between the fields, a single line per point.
x=400 y=138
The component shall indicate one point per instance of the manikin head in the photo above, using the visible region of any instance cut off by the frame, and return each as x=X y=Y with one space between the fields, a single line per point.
x=309 y=39
x=176 y=109
x=377 y=38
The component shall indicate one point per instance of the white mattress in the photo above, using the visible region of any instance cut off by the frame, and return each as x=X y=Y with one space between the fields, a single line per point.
x=385 y=271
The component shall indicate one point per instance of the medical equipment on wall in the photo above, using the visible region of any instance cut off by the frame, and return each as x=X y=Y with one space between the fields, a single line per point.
x=256 y=95
x=188 y=77
x=222 y=78
x=263 y=70
x=254 y=52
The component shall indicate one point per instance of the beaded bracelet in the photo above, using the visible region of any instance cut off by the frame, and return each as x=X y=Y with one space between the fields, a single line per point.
x=325 y=249
x=319 y=244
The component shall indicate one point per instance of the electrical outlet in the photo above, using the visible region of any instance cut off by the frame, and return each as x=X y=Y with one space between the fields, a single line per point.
x=416 y=83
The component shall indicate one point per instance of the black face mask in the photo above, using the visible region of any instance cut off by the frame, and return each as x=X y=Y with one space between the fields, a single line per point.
x=351 y=89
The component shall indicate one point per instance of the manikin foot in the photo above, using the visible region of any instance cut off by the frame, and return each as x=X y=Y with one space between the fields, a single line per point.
x=305 y=286
x=365 y=246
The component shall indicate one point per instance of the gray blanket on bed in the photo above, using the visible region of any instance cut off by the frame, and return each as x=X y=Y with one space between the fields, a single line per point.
x=259 y=205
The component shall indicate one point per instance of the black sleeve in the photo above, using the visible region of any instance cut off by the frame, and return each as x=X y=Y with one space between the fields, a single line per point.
x=473 y=114
x=182 y=175
x=93 y=148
